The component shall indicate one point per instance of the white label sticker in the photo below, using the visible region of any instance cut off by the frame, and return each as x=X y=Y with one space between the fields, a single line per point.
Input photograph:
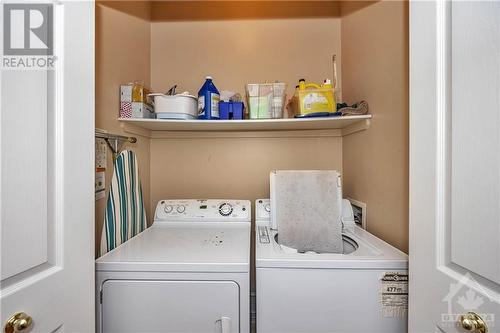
x=314 y=98
x=215 y=98
x=394 y=294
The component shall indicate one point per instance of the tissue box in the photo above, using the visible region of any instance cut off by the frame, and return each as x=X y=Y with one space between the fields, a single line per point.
x=231 y=110
x=126 y=101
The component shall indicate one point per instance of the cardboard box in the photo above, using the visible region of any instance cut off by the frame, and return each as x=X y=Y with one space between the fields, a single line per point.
x=134 y=101
x=142 y=110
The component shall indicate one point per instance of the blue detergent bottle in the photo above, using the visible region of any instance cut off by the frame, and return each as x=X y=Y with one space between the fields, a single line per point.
x=208 y=100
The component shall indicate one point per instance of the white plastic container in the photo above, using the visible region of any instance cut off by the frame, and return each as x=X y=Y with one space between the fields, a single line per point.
x=180 y=106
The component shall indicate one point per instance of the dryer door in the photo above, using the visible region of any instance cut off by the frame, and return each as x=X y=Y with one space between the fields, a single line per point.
x=170 y=306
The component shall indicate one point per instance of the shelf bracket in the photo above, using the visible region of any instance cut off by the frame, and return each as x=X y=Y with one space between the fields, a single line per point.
x=357 y=127
x=115 y=142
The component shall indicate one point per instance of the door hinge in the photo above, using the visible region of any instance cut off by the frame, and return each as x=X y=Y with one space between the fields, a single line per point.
x=100 y=296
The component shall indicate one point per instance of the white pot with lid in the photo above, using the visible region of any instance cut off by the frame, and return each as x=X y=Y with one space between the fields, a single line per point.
x=181 y=106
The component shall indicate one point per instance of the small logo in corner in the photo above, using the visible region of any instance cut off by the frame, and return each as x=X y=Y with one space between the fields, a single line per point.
x=28 y=38
x=469 y=295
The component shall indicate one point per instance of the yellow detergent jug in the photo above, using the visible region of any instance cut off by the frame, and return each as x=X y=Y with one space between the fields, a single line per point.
x=315 y=99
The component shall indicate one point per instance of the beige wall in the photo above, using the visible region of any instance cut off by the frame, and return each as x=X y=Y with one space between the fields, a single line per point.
x=268 y=41
x=245 y=42
x=122 y=55
x=375 y=68
x=233 y=167
x=236 y=52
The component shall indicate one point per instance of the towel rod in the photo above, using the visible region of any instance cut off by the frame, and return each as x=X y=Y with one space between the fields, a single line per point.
x=118 y=141
x=103 y=135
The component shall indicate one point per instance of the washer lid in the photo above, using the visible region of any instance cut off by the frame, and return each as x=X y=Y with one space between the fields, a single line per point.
x=194 y=247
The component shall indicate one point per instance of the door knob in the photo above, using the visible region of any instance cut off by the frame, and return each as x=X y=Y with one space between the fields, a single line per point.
x=472 y=322
x=19 y=322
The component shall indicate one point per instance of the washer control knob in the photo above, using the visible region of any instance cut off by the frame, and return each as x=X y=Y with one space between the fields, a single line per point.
x=181 y=209
x=168 y=209
x=225 y=209
x=267 y=207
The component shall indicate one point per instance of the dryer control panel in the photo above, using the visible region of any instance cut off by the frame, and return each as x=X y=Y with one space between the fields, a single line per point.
x=203 y=210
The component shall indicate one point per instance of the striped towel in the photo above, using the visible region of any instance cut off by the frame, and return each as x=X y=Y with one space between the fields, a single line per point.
x=125 y=215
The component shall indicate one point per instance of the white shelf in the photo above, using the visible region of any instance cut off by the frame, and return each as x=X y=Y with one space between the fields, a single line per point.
x=348 y=124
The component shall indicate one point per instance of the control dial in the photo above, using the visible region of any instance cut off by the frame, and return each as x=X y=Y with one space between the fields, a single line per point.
x=181 y=209
x=225 y=209
x=168 y=209
x=267 y=207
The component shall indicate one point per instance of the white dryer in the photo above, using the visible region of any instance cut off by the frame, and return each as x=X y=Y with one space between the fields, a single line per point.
x=188 y=272
x=362 y=290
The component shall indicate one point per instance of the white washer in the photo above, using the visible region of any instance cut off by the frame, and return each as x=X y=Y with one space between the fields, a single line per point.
x=188 y=272
x=310 y=292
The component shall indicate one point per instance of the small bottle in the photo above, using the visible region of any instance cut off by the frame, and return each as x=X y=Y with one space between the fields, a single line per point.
x=208 y=100
x=138 y=92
